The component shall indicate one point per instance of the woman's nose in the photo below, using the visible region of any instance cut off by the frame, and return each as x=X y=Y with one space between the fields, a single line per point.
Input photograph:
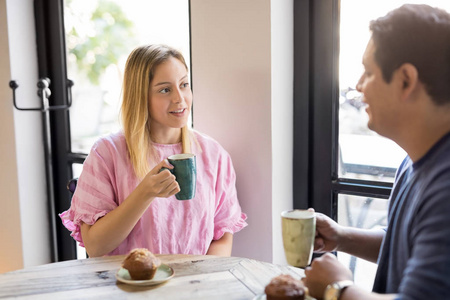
x=177 y=96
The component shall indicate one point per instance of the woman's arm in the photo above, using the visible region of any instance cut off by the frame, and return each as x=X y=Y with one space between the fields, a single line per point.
x=108 y=232
x=222 y=246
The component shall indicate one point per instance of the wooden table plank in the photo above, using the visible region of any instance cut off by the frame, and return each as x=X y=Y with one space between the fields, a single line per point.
x=196 y=277
x=255 y=275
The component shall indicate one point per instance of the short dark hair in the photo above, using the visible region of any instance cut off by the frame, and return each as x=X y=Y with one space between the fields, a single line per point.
x=420 y=35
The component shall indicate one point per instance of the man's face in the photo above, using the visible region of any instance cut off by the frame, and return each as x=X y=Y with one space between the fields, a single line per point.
x=379 y=96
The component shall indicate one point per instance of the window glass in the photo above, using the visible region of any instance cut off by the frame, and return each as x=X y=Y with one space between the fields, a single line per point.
x=363 y=153
x=361 y=212
x=100 y=34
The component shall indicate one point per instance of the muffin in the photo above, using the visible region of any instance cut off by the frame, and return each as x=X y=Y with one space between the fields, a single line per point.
x=141 y=264
x=285 y=287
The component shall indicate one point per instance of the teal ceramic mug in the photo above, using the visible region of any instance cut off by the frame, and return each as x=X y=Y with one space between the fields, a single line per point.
x=185 y=171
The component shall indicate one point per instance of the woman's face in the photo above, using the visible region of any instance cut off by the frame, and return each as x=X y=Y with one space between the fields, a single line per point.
x=170 y=96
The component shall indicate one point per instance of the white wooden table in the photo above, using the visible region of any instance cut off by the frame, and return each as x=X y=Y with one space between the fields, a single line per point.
x=196 y=277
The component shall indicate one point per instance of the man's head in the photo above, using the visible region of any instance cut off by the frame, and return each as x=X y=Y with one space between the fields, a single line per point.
x=419 y=35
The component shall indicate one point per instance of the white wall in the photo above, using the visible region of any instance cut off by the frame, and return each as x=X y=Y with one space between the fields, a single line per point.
x=243 y=82
x=282 y=45
x=25 y=238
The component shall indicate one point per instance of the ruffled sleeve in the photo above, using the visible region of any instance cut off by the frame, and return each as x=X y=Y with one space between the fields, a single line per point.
x=228 y=216
x=94 y=196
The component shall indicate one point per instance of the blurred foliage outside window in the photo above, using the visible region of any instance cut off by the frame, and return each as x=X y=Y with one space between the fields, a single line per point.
x=99 y=36
x=102 y=41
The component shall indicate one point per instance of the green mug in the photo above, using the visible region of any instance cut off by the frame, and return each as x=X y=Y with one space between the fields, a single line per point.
x=185 y=171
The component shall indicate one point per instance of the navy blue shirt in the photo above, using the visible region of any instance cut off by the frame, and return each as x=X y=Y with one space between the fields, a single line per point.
x=414 y=260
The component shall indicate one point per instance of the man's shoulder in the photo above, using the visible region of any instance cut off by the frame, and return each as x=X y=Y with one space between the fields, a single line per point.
x=438 y=160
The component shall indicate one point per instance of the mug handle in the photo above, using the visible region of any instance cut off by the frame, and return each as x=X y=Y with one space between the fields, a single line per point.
x=164 y=168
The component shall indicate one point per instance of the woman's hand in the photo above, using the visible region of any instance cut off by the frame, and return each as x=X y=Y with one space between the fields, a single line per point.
x=159 y=183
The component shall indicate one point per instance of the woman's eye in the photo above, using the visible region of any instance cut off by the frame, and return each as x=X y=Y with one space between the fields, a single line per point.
x=164 y=90
x=185 y=85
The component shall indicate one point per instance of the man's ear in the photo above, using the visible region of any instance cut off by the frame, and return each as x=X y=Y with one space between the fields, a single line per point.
x=409 y=78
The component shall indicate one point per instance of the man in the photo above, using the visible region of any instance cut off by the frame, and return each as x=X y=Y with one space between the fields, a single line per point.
x=406 y=86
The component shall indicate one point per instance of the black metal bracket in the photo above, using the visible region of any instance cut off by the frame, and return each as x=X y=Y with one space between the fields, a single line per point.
x=44 y=93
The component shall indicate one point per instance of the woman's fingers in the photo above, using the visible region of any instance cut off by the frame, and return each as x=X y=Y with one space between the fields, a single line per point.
x=165 y=177
x=163 y=164
x=166 y=184
x=173 y=189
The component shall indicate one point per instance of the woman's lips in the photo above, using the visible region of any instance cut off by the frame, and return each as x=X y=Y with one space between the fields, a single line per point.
x=178 y=112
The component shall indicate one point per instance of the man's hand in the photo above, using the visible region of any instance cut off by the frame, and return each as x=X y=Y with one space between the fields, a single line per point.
x=323 y=271
x=327 y=233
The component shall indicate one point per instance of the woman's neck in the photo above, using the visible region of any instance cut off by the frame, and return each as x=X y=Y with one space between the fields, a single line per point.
x=169 y=136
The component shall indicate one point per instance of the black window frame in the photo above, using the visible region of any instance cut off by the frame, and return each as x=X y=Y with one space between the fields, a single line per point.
x=51 y=55
x=316 y=107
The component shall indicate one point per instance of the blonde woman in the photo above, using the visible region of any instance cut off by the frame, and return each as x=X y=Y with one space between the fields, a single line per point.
x=122 y=201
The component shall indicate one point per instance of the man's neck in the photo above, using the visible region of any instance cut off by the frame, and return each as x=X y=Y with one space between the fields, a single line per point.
x=425 y=132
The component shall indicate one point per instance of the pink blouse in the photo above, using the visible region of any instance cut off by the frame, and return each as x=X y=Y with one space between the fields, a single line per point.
x=168 y=226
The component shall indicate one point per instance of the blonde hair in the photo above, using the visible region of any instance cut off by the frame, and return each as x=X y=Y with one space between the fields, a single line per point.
x=139 y=72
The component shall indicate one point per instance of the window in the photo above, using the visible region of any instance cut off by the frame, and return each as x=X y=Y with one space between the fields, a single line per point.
x=342 y=168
